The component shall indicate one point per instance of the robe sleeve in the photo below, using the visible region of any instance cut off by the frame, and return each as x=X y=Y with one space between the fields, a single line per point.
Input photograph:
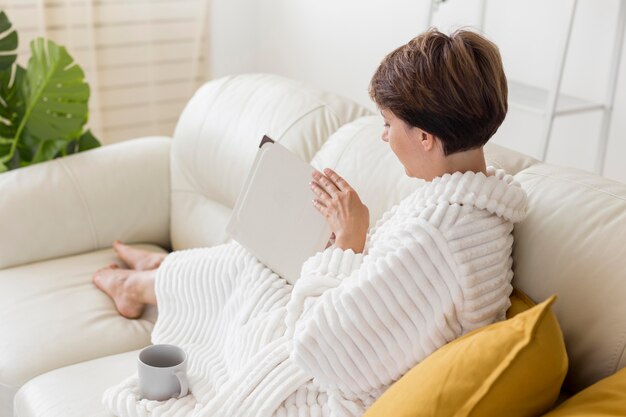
x=355 y=323
x=386 y=216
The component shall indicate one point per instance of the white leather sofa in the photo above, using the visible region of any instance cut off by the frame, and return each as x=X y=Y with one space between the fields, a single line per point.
x=61 y=340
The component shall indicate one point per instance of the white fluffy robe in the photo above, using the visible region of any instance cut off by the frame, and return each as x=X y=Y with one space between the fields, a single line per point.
x=436 y=266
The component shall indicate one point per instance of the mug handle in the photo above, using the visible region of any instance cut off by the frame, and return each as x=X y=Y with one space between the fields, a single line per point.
x=182 y=379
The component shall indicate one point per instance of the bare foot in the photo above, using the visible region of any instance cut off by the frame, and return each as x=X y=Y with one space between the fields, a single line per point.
x=139 y=259
x=120 y=285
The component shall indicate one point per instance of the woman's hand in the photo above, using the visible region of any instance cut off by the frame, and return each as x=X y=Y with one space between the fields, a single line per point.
x=347 y=216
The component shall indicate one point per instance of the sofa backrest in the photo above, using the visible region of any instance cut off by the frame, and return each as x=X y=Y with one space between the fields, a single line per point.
x=573 y=243
x=82 y=202
x=217 y=137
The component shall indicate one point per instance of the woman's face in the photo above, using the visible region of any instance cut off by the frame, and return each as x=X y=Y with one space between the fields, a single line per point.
x=416 y=149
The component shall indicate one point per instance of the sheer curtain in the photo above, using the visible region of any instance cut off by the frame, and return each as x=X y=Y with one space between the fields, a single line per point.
x=143 y=59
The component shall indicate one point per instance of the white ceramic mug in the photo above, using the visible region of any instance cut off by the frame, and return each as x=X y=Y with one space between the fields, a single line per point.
x=162 y=372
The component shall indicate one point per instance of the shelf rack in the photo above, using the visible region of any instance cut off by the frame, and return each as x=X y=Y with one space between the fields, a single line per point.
x=550 y=103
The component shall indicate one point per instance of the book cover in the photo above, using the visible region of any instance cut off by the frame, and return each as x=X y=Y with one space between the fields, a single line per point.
x=274 y=217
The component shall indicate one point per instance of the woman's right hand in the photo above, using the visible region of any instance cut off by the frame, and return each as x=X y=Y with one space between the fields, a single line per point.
x=340 y=204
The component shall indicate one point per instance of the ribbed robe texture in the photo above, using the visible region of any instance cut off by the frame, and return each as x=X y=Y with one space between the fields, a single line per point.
x=435 y=266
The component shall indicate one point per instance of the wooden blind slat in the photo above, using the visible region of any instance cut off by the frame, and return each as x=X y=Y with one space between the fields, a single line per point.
x=111 y=36
x=137 y=94
x=142 y=114
x=137 y=131
x=145 y=52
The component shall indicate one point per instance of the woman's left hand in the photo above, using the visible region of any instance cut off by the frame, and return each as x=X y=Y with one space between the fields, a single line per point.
x=340 y=204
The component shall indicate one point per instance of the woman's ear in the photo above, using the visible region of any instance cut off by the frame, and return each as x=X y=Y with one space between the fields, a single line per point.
x=427 y=140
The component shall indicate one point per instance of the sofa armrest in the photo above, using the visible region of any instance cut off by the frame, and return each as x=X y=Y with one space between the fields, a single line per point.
x=84 y=201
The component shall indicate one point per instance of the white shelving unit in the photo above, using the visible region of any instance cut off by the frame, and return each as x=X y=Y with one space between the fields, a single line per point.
x=534 y=99
x=551 y=103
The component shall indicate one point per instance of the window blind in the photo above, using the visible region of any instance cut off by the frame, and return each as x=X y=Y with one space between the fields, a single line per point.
x=143 y=59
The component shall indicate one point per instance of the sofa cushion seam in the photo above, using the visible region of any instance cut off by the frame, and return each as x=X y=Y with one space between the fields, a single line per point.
x=84 y=202
x=302 y=116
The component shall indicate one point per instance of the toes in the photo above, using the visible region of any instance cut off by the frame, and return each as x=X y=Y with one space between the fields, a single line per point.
x=95 y=278
x=119 y=246
x=102 y=269
x=121 y=249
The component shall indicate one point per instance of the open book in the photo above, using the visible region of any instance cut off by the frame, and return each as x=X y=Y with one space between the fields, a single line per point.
x=274 y=217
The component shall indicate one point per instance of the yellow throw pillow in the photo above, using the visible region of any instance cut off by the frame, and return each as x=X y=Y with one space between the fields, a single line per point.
x=519 y=302
x=605 y=398
x=510 y=368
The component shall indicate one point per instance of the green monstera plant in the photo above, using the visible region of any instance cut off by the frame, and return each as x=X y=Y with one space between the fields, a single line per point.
x=43 y=108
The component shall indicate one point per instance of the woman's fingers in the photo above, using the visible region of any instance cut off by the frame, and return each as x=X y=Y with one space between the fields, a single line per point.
x=319 y=191
x=329 y=186
x=320 y=207
x=341 y=184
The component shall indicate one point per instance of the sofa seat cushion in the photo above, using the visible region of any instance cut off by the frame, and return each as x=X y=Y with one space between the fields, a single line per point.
x=76 y=390
x=52 y=315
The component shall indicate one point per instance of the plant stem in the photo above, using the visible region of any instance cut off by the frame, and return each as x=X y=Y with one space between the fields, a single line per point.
x=17 y=136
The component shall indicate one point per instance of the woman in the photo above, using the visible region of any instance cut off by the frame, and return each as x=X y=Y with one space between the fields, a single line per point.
x=371 y=305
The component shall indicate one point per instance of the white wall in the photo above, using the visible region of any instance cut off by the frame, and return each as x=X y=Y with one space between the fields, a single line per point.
x=337 y=45
x=334 y=44
x=233 y=31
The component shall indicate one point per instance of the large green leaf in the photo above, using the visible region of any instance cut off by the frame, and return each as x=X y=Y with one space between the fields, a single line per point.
x=11 y=101
x=85 y=142
x=8 y=42
x=48 y=149
x=56 y=94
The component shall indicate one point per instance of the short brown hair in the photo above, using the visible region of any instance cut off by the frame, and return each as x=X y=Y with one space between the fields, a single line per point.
x=453 y=87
